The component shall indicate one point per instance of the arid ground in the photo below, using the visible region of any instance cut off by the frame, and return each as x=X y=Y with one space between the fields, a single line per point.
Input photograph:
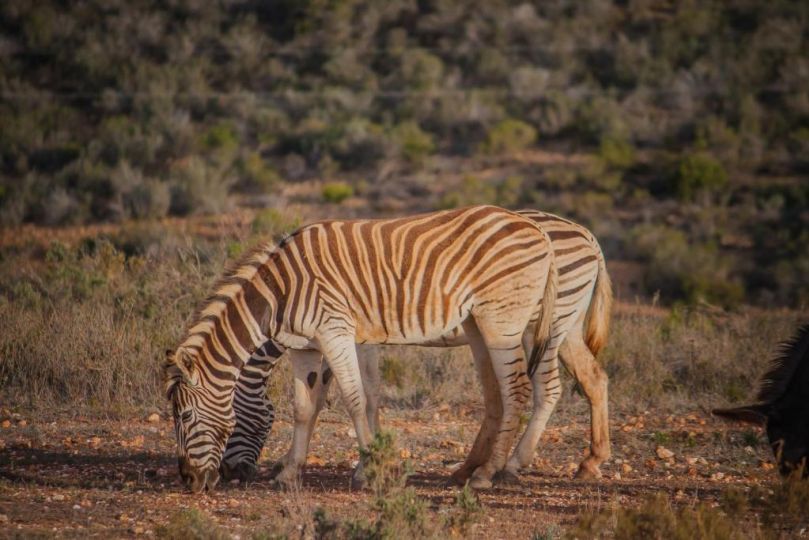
x=119 y=478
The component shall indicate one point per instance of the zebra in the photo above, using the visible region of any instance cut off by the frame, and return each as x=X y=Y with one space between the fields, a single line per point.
x=584 y=299
x=332 y=284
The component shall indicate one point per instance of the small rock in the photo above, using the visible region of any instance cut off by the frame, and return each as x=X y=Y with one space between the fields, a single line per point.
x=691 y=460
x=58 y=497
x=717 y=476
x=77 y=507
x=352 y=432
x=749 y=450
x=626 y=468
x=153 y=418
x=22 y=423
x=664 y=453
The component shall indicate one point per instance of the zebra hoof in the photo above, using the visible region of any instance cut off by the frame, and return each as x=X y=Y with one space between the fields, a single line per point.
x=289 y=484
x=480 y=484
x=459 y=477
x=506 y=477
x=276 y=469
x=587 y=472
x=358 y=481
x=243 y=471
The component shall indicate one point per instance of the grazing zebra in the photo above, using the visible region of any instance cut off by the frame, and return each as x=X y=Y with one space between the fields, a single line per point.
x=581 y=321
x=334 y=283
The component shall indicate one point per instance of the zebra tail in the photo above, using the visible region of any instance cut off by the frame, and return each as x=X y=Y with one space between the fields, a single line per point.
x=542 y=331
x=597 y=320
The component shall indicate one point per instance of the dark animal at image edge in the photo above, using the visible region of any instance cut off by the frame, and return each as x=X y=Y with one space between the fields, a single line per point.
x=783 y=405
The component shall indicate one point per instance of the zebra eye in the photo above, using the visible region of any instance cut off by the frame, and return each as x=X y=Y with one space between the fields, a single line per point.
x=186 y=416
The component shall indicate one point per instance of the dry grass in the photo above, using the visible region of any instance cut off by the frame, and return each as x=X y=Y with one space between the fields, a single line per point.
x=782 y=513
x=85 y=328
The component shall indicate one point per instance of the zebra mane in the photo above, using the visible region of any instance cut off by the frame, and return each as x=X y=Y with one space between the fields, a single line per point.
x=784 y=366
x=173 y=372
x=172 y=375
x=248 y=258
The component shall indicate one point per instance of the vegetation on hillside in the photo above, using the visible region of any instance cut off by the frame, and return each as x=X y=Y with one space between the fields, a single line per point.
x=693 y=117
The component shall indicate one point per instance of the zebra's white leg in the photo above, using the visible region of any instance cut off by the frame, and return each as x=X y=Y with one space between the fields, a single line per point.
x=341 y=355
x=306 y=368
x=509 y=365
x=546 y=392
x=368 y=356
x=492 y=405
x=593 y=380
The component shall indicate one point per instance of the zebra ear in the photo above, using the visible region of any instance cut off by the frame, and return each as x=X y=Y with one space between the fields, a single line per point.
x=185 y=363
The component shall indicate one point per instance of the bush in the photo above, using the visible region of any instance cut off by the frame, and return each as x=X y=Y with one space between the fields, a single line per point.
x=680 y=270
x=509 y=136
x=199 y=188
x=414 y=143
x=272 y=222
x=616 y=153
x=257 y=174
x=473 y=190
x=657 y=519
x=336 y=192
x=699 y=174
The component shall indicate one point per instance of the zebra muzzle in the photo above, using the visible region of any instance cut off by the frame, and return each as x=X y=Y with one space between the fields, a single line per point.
x=198 y=480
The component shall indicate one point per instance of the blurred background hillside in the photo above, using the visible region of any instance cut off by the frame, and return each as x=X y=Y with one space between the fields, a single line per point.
x=677 y=131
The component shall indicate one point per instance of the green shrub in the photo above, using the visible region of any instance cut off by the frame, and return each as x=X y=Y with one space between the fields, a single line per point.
x=257 y=174
x=509 y=136
x=474 y=190
x=199 y=188
x=274 y=223
x=685 y=271
x=699 y=174
x=616 y=153
x=336 y=192
x=414 y=143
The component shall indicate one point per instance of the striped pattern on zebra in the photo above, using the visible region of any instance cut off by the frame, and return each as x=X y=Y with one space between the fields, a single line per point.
x=581 y=324
x=334 y=283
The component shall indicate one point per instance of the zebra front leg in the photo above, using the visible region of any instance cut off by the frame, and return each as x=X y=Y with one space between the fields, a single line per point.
x=341 y=355
x=254 y=416
x=593 y=380
x=368 y=356
x=306 y=366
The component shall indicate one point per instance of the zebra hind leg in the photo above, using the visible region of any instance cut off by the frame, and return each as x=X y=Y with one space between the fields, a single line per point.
x=509 y=365
x=593 y=380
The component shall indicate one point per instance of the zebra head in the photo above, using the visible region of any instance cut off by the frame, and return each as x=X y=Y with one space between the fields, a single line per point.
x=203 y=421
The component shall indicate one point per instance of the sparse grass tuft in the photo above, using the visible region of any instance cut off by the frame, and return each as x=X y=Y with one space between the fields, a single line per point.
x=191 y=524
x=658 y=520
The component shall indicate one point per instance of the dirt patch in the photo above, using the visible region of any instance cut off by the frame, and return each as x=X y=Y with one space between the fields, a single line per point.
x=87 y=478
